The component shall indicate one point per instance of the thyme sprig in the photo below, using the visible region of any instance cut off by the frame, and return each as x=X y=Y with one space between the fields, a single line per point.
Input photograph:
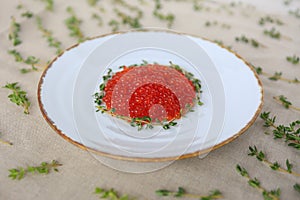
x=133 y=22
x=18 y=96
x=49 y=4
x=290 y=133
x=130 y=7
x=73 y=24
x=98 y=18
x=110 y=194
x=139 y=122
x=216 y=194
x=169 y=18
x=30 y=60
x=253 y=151
x=267 y=19
x=293 y=59
x=273 y=33
x=44 y=168
x=14 y=31
x=196 y=82
x=285 y=102
x=251 y=41
x=5 y=141
x=92 y=2
x=276 y=76
x=295 y=13
x=52 y=41
x=114 y=24
x=255 y=183
x=27 y=14
x=297 y=187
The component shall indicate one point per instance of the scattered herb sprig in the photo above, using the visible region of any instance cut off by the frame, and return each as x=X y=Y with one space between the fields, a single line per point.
x=52 y=41
x=251 y=41
x=133 y=22
x=14 y=31
x=98 y=18
x=49 y=4
x=5 y=141
x=73 y=24
x=290 y=133
x=110 y=194
x=255 y=183
x=27 y=14
x=253 y=151
x=44 y=168
x=276 y=76
x=92 y=2
x=30 y=60
x=293 y=59
x=295 y=13
x=216 y=194
x=114 y=24
x=285 y=102
x=297 y=187
x=18 y=96
x=273 y=33
x=130 y=7
x=169 y=18
x=268 y=19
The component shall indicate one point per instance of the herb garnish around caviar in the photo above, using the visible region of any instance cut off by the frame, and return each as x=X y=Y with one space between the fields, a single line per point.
x=146 y=121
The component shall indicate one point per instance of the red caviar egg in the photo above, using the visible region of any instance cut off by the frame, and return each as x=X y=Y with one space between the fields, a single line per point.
x=156 y=91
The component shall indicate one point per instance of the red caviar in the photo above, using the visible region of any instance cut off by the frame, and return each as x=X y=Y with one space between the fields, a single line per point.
x=156 y=91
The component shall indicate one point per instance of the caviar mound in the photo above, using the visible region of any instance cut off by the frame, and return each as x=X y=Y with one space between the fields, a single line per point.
x=152 y=92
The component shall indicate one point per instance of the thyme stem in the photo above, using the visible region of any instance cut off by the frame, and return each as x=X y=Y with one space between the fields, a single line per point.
x=283 y=100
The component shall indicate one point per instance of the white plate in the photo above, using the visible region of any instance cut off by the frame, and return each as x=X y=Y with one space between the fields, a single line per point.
x=242 y=88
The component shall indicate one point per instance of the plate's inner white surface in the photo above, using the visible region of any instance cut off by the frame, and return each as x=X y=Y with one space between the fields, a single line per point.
x=135 y=46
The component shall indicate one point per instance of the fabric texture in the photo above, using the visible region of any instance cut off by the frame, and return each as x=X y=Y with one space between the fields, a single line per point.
x=34 y=141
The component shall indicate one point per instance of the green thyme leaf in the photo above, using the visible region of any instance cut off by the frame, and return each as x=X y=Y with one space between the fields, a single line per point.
x=18 y=96
x=44 y=168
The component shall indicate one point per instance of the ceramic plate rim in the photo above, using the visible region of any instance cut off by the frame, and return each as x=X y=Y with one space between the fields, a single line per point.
x=139 y=159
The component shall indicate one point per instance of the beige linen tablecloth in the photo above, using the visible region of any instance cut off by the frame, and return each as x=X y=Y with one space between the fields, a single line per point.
x=35 y=141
